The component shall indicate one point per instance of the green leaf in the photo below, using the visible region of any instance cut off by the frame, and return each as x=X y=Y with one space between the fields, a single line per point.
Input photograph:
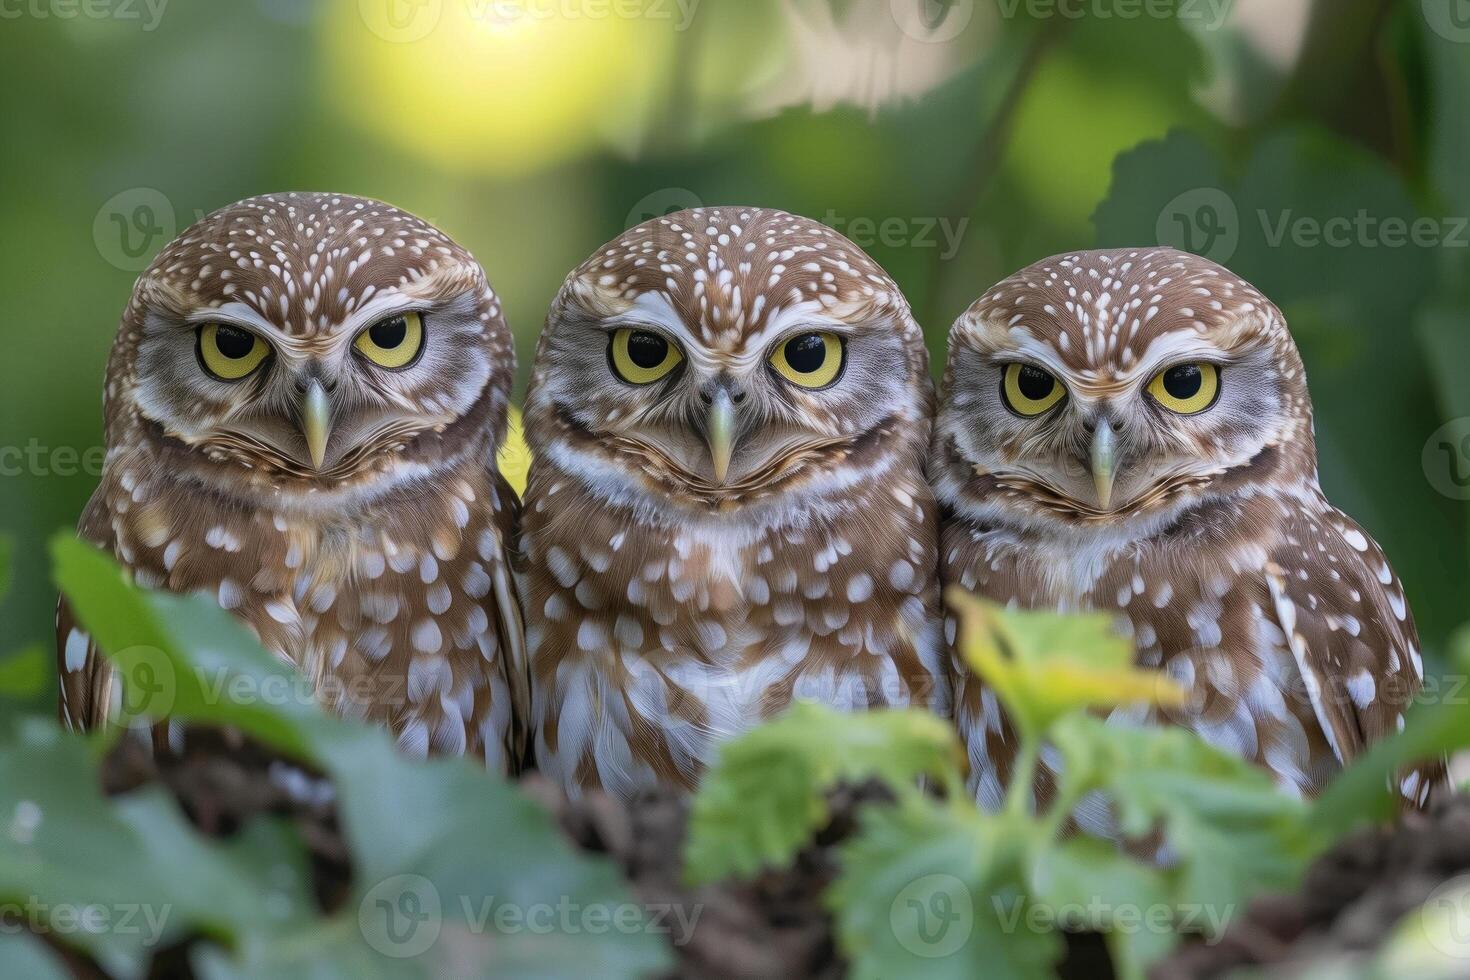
x=507 y=889
x=1088 y=883
x=143 y=873
x=1230 y=830
x=766 y=794
x=936 y=891
x=1043 y=665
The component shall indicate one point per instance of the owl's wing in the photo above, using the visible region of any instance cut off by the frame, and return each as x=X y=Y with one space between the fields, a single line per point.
x=1349 y=628
x=85 y=675
x=511 y=625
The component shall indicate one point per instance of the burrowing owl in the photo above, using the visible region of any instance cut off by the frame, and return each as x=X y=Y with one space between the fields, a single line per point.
x=302 y=410
x=727 y=508
x=1130 y=431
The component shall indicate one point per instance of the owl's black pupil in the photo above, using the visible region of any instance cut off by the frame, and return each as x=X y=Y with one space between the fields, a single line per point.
x=1035 y=383
x=647 y=350
x=1183 y=382
x=389 y=333
x=233 y=342
x=806 y=353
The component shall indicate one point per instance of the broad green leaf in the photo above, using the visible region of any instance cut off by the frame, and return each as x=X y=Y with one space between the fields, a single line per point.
x=1090 y=884
x=1043 y=665
x=766 y=794
x=442 y=832
x=936 y=891
x=1230 y=830
x=145 y=877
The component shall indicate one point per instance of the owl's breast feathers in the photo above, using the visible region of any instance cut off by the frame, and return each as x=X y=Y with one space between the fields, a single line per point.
x=400 y=610
x=651 y=640
x=1277 y=613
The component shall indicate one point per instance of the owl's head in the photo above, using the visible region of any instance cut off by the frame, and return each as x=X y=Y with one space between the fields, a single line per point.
x=1118 y=386
x=721 y=356
x=307 y=344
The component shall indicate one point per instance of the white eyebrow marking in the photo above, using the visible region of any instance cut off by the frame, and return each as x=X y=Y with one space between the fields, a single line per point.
x=385 y=304
x=654 y=309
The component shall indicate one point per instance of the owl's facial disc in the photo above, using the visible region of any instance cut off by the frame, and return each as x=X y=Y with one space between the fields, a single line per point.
x=315 y=407
x=1115 y=439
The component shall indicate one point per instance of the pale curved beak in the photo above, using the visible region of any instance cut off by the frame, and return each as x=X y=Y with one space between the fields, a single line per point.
x=719 y=429
x=1104 y=462
x=316 y=421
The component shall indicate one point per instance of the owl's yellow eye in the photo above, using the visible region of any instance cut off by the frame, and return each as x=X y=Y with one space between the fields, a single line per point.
x=641 y=357
x=392 y=343
x=1029 y=390
x=230 y=353
x=811 y=360
x=1187 y=389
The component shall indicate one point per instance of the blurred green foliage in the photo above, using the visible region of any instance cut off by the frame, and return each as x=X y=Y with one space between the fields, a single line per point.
x=991 y=134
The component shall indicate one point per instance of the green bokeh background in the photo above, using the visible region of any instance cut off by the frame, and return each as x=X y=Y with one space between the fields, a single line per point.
x=956 y=140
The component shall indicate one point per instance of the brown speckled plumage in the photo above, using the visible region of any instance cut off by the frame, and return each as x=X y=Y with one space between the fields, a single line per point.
x=669 y=606
x=1223 y=560
x=380 y=573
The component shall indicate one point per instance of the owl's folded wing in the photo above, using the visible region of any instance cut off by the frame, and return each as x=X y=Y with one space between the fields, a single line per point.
x=1348 y=626
x=85 y=675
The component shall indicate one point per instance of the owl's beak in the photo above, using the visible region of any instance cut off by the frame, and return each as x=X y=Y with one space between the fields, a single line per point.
x=1104 y=462
x=316 y=421
x=719 y=431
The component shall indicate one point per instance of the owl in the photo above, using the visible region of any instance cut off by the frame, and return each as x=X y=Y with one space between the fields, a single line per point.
x=726 y=509
x=1130 y=431
x=302 y=408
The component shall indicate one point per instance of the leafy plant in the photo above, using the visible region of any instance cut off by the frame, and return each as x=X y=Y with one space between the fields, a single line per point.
x=934 y=883
x=438 y=849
